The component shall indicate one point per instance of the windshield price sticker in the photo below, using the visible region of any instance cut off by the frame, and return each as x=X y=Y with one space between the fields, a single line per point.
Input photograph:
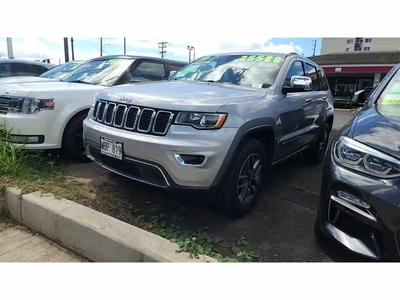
x=184 y=72
x=390 y=102
x=111 y=61
x=261 y=58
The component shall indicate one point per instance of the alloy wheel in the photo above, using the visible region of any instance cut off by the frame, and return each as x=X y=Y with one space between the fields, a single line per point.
x=249 y=180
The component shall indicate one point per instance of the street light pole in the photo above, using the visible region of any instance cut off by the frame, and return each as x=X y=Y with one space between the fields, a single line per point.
x=124 y=46
x=190 y=48
x=72 y=49
x=101 y=46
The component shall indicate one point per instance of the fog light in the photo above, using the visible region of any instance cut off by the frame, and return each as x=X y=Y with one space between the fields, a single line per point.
x=26 y=139
x=352 y=199
x=190 y=159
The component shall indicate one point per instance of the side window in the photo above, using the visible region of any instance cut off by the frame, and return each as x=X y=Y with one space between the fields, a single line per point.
x=311 y=72
x=18 y=69
x=5 y=70
x=323 y=83
x=39 y=70
x=174 y=67
x=148 y=71
x=296 y=69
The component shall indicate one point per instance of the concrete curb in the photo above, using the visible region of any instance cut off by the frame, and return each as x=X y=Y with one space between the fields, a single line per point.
x=89 y=233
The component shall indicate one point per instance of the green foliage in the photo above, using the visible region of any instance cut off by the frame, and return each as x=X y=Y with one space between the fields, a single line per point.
x=197 y=242
x=24 y=164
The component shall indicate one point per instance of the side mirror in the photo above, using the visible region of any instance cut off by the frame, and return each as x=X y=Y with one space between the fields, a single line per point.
x=172 y=73
x=301 y=82
x=298 y=84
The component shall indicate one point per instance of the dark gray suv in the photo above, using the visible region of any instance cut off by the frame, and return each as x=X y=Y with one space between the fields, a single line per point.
x=217 y=124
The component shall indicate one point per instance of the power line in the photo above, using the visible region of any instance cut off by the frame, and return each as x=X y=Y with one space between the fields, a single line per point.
x=162 y=46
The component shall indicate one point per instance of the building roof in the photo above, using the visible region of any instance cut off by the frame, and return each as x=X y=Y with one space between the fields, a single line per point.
x=357 y=58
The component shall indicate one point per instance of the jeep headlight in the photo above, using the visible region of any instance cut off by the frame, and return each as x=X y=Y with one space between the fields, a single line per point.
x=359 y=157
x=201 y=120
x=34 y=105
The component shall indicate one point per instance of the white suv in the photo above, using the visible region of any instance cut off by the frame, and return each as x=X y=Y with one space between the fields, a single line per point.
x=49 y=115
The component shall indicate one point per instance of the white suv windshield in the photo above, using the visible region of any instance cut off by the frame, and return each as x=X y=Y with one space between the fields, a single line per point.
x=250 y=70
x=100 y=71
x=61 y=71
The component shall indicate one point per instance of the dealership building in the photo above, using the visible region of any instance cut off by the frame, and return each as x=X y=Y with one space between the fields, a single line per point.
x=350 y=71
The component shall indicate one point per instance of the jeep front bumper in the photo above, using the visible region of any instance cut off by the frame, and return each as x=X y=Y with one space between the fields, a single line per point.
x=185 y=158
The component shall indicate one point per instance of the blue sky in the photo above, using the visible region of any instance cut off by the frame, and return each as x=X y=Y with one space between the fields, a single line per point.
x=86 y=48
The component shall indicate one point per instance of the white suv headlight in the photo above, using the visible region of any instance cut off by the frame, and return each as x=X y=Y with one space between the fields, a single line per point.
x=357 y=156
x=33 y=105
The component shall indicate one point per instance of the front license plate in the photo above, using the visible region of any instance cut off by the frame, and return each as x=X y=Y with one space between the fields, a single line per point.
x=111 y=148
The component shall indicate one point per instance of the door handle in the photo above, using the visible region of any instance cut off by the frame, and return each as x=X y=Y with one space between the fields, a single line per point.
x=309 y=99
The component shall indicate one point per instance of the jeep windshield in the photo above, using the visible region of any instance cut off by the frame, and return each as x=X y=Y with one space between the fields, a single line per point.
x=257 y=71
x=104 y=72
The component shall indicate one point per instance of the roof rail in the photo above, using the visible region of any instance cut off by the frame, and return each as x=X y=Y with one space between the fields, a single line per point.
x=293 y=53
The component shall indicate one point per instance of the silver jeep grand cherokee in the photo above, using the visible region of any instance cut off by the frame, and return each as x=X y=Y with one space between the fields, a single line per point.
x=217 y=124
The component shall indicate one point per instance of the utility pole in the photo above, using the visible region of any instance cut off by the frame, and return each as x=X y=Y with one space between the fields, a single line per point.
x=162 y=46
x=101 y=46
x=66 y=49
x=72 y=49
x=124 y=46
x=315 y=45
x=10 y=48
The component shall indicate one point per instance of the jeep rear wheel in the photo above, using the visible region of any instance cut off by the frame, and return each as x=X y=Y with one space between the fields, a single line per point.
x=244 y=181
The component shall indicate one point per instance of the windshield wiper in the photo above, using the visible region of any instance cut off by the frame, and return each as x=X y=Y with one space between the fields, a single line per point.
x=78 y=81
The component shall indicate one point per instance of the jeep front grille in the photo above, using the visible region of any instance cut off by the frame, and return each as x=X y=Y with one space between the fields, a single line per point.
x=132 y=118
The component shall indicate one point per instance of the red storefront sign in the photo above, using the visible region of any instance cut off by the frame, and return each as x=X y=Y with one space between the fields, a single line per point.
x=357 y=69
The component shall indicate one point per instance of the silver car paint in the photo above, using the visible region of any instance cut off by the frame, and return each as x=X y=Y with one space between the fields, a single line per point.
x=294 y=118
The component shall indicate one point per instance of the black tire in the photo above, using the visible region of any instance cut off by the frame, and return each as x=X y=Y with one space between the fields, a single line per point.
x=319 y=235
x=72 y=144
x=316 y=153
x=249 y=158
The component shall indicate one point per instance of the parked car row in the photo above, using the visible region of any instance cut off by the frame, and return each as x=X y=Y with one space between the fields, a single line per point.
x=219 y=124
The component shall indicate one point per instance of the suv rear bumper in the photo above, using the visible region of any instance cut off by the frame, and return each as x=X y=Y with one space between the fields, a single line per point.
x=157 y=160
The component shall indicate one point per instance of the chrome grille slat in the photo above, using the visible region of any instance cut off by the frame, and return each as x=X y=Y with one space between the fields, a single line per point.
x=132 y=118
x=109 y=113
x=119 y=115
x=145 y=120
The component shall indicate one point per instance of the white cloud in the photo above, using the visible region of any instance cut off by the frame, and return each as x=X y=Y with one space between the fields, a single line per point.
x=34 y=48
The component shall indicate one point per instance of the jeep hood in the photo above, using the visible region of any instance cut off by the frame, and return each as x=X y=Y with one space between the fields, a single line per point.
x=36 y=89
x=181 y=95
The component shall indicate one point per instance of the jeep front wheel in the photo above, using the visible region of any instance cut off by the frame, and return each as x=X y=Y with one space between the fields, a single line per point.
x=243 y=183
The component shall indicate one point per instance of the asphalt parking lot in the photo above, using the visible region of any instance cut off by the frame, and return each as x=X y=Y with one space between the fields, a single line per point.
x=280 y=228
